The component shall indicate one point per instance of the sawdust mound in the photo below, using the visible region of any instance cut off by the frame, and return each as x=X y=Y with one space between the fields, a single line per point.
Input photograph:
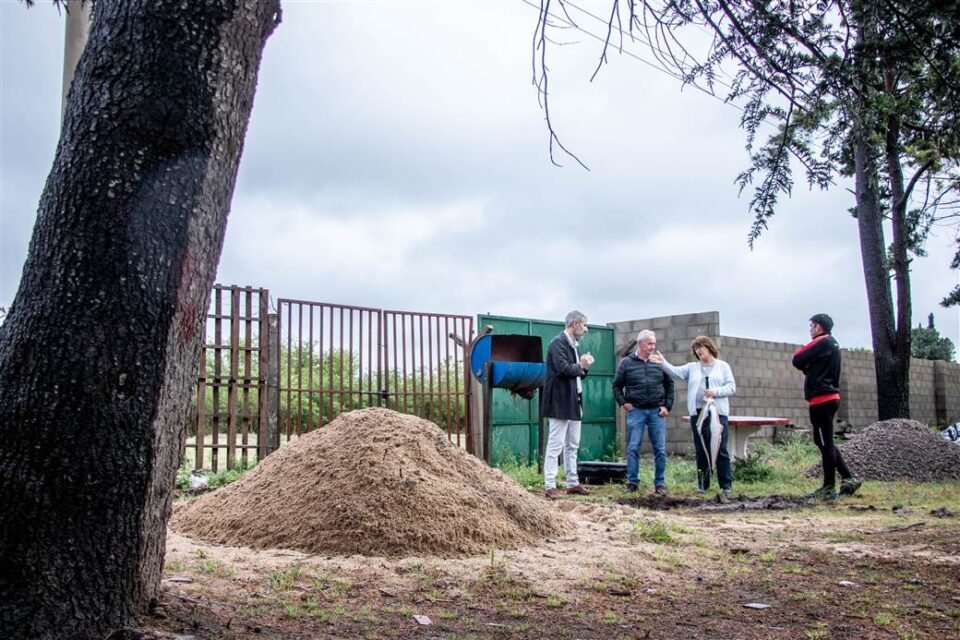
x=372 y=482
x=899 y=450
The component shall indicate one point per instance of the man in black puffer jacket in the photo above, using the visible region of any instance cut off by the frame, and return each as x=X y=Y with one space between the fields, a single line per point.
x=819 y=360
x=645 y=391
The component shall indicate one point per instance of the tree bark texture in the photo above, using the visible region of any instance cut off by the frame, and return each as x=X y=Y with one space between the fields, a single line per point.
x=893 y=400
x=100 y=349
x=898 y=406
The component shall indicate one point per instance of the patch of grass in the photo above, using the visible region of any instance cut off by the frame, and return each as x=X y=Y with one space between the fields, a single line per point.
x=919 y=497
x=670 y=561
x=503 y=584
x=654 y=531
x=214 y=480
x=175 y=566
x=292 y=611
x=526 y=475
x=794 y=569
x=341 y=586
x=735 y=570
x=752 y=469
x=883 y=619
x=214 y=568
x=555 y=601
x=609 y=617
x=768 y=556
x=284 y=579
x=365 y=614
x=699 y=541
x=817 y=630
x=843 y=536
x=719 y=610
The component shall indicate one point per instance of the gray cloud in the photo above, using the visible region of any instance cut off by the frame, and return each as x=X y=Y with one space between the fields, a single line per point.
x=397 y=158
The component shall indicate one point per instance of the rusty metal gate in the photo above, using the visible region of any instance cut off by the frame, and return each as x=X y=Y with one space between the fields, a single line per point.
x=335 y=358
x=230 y=408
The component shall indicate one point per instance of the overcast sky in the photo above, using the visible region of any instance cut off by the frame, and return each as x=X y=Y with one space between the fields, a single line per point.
x=397 y=158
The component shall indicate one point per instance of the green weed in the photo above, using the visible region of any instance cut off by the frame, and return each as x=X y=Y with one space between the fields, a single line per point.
x=555 y=601
x=175 y=566
x=655 y=532
x=213 y=567
x=768 y=556
x=883 y=619
x=752 y=469
x=284 y=579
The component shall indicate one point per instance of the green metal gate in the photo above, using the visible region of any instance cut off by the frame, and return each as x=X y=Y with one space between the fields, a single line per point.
x=514 y=420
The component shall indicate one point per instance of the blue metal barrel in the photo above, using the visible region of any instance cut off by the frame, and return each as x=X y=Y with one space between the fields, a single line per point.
x=516 y=361
x=518 y=375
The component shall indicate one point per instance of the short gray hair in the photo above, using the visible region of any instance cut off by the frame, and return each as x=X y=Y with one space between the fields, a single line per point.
x=574 y=317
x=643 y=335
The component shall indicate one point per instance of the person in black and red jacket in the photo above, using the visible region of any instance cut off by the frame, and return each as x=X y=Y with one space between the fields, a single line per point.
x=819 y=360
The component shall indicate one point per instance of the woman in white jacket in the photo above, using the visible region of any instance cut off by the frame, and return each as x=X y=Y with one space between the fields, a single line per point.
x=708 y=378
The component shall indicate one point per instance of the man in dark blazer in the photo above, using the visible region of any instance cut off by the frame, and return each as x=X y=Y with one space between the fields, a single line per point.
x=563 y=404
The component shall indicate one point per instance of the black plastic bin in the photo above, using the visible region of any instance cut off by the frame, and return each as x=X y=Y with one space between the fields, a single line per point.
x=596 y=472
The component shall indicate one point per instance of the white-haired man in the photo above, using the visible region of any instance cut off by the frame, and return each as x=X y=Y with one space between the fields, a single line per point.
x=563 y=404
x=645 y=391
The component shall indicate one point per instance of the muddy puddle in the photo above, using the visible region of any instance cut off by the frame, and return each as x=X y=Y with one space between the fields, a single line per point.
x=713 y=505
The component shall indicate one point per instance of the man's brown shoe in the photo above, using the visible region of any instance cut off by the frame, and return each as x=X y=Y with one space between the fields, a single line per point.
x=579 y=490
x=553 y=493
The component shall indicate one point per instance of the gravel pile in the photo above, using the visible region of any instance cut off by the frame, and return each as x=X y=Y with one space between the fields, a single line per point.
x=372 y=482
x=899 y=450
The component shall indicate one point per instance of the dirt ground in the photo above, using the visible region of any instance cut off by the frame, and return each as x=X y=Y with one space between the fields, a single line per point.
x=642 y=569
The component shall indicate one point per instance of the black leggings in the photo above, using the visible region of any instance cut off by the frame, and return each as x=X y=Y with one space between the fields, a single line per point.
x=821 y=417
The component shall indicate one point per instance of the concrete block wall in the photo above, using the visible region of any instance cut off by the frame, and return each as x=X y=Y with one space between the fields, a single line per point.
x=858 y=388
x=947 y=391
x=923 y=396
x=767 y=383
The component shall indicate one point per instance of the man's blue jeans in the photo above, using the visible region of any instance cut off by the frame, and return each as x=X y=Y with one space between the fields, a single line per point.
x=637 y=421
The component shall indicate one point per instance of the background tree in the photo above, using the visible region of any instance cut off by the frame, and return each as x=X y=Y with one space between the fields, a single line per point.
x=868 y=89
x=926 y=342
x=100 y=347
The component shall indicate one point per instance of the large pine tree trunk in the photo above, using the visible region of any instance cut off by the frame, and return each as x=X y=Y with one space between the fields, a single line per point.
x=893 y=392
x=899 y=406
x=101 y=344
